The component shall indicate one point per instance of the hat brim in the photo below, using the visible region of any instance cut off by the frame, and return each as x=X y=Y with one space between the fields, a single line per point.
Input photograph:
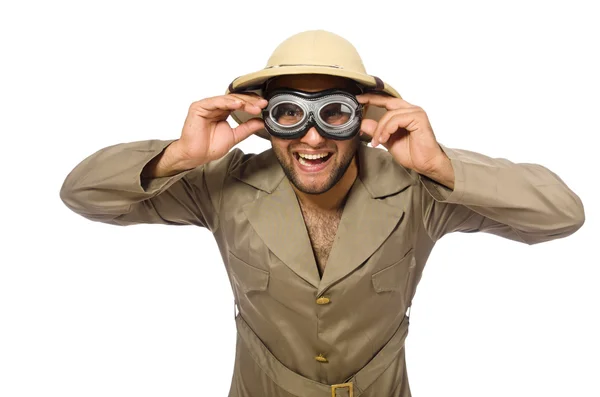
x=250 y=81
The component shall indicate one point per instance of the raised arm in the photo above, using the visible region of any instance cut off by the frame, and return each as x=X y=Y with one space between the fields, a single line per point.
x=519 y=201
x=469 y=192
x=174 y=182
x=109 y=187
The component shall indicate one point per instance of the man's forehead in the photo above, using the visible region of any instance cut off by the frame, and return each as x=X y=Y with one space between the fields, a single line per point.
x=311 y=82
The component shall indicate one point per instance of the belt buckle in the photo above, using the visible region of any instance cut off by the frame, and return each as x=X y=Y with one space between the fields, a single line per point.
x=349 y=385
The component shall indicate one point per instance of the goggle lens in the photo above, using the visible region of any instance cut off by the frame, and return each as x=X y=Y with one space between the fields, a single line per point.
x=287 y=114
x=335 y=114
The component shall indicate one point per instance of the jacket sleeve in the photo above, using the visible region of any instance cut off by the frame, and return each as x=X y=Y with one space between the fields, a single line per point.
x=519 y=201
x=108 y=187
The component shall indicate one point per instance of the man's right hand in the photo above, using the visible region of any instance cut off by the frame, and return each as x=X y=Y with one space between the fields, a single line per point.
x=206 y=135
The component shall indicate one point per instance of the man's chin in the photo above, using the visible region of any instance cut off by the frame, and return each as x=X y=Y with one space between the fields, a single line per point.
x=313 y=192
x=313 y=189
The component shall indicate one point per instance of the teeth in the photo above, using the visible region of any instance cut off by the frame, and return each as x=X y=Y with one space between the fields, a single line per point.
x=302 y=161
x=312 y=156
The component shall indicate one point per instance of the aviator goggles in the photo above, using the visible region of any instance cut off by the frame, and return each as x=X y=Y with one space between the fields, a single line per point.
x=336 y=114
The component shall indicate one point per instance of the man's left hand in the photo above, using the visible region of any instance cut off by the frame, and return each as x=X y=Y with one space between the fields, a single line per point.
x=405 y=131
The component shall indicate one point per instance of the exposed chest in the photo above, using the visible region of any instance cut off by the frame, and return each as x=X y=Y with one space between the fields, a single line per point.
x=322 y=228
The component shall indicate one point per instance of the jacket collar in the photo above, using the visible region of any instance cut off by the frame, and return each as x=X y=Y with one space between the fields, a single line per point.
x=367 y=220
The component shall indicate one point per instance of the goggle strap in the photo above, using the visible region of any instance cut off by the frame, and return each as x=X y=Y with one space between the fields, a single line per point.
x=379 y=84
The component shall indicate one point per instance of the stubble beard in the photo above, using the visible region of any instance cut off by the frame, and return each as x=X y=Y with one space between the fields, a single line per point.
x=338 y=171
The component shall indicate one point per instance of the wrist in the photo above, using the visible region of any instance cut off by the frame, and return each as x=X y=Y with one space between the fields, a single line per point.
x=169 y=162
x=442 y=172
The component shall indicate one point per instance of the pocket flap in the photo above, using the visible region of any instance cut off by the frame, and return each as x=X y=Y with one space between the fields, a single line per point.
x=394 y=277
x=248 y=277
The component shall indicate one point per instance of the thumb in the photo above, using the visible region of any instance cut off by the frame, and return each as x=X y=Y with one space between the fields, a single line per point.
x=368 y=126
x=247 y=128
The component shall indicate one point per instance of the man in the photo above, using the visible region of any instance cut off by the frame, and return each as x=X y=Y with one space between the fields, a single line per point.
x=324 y=239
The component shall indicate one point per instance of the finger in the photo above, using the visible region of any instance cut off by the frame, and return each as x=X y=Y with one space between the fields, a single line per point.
x=253 y=99
x=221 y=106
x=251 y=104
x=384 y=101
x=387 y=117
x=217 y=103
x=221 y=101
x=245 y=95
x=393 y=126
x=368 y=126
x=246 y=129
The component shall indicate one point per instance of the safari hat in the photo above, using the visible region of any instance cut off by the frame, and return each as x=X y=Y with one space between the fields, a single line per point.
x=312 y=52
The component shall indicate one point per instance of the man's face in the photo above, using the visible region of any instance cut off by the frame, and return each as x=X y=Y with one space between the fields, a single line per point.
x=313 y=176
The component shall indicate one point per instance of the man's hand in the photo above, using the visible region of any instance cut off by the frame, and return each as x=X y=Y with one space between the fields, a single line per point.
x=405 y=131
x=206 y=135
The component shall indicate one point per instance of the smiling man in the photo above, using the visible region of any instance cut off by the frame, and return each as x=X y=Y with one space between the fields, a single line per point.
x=324 y=238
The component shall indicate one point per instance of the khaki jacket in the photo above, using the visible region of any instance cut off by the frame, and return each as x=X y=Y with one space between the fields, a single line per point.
x=299 y=334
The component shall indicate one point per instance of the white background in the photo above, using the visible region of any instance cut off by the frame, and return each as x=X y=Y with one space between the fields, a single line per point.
x=88 y=309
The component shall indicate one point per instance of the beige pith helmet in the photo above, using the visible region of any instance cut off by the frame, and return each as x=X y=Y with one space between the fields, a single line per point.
x=312 y=52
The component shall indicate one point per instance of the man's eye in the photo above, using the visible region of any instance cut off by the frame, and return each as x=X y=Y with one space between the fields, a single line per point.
x=332 y=113
x=335 y=113
x=287 y=114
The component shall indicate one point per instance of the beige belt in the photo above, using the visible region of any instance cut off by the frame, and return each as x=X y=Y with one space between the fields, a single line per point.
x=298 y=385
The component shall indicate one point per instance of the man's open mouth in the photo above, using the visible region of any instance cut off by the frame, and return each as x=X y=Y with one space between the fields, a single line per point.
x=309 y=160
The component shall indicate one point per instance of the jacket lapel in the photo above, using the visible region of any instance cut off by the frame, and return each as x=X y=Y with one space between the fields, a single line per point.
x=367 y=220
x=276 y=216
x=365 y=224
x=278 y=220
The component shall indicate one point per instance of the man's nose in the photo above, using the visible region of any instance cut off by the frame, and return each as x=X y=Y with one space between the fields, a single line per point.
x=312 y=137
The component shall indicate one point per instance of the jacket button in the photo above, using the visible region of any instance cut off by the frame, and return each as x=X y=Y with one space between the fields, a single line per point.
x=321 y=358
x=323 y=300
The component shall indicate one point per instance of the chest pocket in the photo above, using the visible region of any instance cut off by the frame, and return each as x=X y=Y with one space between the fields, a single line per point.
x=246 y=277
x=394 y=277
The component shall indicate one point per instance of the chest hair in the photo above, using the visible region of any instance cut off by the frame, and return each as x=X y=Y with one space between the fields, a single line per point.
x=322 y=227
